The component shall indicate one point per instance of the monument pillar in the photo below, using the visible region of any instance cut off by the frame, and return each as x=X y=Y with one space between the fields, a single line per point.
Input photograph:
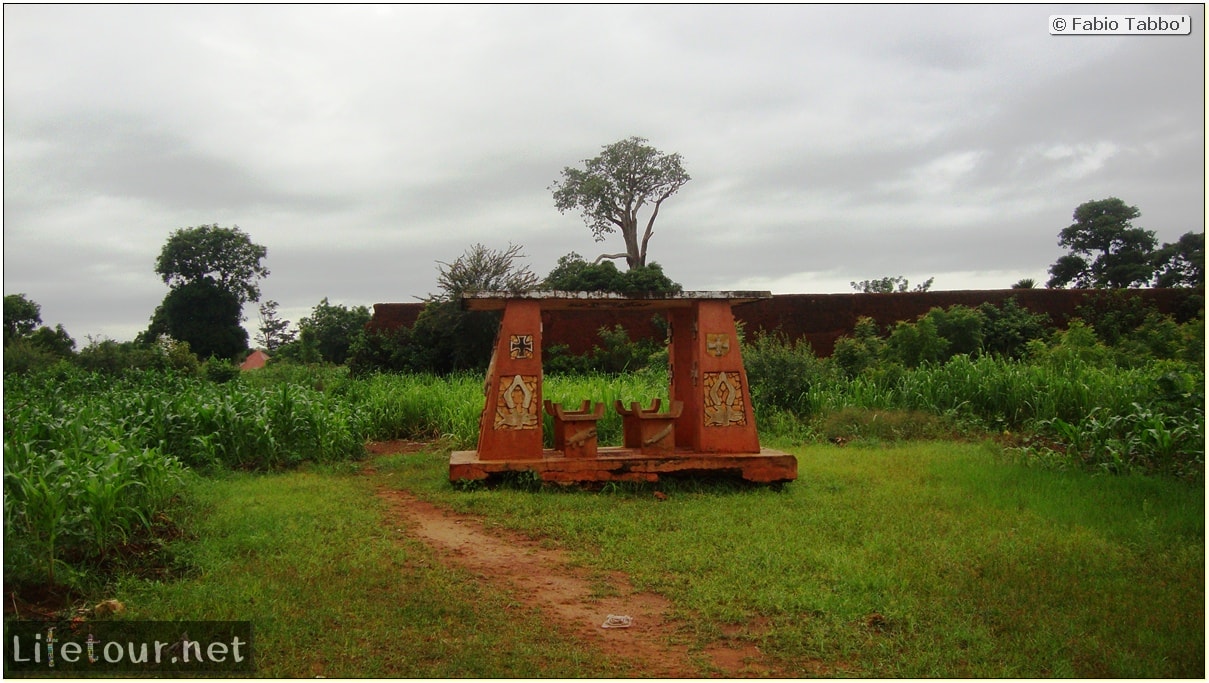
x=511 y=427
x=708 y=377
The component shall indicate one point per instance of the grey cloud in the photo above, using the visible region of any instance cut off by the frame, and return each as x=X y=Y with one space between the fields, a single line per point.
x=361 y=144
x=132 y=158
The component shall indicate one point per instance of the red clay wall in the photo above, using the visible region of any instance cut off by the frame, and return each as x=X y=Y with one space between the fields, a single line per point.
x=393 y=316
x=823 y=318
x=818 y=318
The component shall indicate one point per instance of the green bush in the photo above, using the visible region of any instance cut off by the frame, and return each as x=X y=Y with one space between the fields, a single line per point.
x=221 y=370
x=1008 y=328
x=1160 y=337
x=961 y=327
x=913 y=344
x=1114 y=313
x=114 y=358
x=574 y=274
x=23 y=357
x=785 y=375
x=615 y=354
x=1077 y=343
x=861 y=351
x=444 y=339
x=939 y=335
x=380 y=351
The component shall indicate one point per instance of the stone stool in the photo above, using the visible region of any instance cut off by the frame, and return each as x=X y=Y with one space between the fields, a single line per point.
x=648 y=430
x=575 y=430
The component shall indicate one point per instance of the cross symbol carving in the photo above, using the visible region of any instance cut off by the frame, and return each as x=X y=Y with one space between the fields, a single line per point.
x=717 y=344
x=521 y=346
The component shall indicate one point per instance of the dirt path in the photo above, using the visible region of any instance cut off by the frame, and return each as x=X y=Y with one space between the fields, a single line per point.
x=543 y=578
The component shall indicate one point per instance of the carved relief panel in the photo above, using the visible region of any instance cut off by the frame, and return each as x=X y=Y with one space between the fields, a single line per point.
x=724 y=405
x=516 y=406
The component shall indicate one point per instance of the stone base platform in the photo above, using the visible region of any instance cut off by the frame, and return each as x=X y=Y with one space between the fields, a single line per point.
x=627 y=464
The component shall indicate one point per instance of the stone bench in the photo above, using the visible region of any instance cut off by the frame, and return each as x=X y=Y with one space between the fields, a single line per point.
x=647 y=430
x=575 y=430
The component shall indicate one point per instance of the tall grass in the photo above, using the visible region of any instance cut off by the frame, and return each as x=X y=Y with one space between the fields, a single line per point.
x=420 y=406
x=429 y=406
x=90 y=460
x=89 y=457
x=998 y=393
x=1008 y=394
x=78 y=503
x=201 y=423
x=1146 y=417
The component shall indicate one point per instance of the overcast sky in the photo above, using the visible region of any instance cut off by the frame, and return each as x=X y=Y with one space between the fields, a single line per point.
x=361 y=145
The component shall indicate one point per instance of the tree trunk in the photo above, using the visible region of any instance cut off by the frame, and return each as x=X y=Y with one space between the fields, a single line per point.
x=635 y=255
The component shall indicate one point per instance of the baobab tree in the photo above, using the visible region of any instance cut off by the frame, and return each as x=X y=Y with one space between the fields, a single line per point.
x=612 y=188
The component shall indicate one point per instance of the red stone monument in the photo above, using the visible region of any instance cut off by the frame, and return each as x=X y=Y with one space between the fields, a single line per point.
x=709 y=426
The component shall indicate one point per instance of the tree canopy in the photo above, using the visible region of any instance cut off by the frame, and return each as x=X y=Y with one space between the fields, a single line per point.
x=445 y=337
x=212 y=272
x=26 y=341
x=612 y=188
x=889 y=285
x=274 y=331
x=204 y=315
x=481 y=269
x=333 y=329
x=1106 y=250
x=574 y=274
x=226 y=256
x=1182 y=264
x=21 y=317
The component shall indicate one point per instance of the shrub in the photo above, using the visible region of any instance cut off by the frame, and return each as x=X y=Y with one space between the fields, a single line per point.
x=1159 y=337
x=221 y=370
x=913 y=344
x=1114 y=313
x=861 y=351
x=1007 y=329
x=961 y=326
x=1192 y=341
x=784 y=374
x=616 y=354
x=23 y=357
x=380 y=351
x=648 y=279
x=1077 y=343
x=574 y=274
x=113 y=358
x=447 y=339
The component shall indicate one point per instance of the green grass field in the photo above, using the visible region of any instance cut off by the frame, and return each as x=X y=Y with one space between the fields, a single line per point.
x=333 y=591
x=923 y=559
